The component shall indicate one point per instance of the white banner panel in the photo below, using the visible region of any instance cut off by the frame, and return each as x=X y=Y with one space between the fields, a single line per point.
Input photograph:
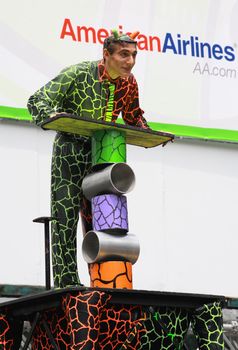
x=186 y=67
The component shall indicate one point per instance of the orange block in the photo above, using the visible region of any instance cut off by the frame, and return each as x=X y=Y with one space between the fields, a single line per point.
x=111 y=274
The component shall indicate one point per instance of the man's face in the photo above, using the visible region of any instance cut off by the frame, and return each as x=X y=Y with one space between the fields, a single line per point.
x=121 y=61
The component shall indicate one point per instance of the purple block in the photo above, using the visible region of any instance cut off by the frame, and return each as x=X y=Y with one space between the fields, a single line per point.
x=109 y=213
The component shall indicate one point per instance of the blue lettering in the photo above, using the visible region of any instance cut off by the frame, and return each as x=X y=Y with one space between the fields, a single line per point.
x=197 y=48
x=217 y=51
x=230 y=56
x=169 y=44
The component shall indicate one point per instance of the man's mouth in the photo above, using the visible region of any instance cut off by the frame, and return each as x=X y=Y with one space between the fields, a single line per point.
x=126 y=69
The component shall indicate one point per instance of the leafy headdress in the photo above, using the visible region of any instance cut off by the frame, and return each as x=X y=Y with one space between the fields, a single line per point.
x=117 y=38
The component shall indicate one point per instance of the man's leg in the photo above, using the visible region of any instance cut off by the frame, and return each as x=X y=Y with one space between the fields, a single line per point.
x=207 y=324
x=86 y=215
x=71 y=162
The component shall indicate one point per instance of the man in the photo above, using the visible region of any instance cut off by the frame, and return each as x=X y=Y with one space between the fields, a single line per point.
x=99 y=90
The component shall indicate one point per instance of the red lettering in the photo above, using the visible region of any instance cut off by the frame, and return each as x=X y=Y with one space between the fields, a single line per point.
x=86 y=33
x=142 y=42
x=102 y=34
x=92 y=35
x=151 y=39
x=67 y=30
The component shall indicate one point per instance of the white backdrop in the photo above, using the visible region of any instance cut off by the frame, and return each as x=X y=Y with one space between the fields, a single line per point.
x=175 y=88
x=183 y=210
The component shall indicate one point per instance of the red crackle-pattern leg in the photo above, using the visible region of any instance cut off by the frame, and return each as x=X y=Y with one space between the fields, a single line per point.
x=86 y=215
x=58 y=325
x=10 y=333
x=119 y=325
x=88 y=322
x=5 y=334
x=75 y=326
x=83 y=313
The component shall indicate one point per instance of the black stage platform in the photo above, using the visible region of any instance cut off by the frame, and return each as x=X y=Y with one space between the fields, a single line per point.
x=27 y=305
x=35 y=307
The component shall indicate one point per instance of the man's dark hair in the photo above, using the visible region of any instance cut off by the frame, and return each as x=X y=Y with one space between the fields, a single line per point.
x=116 y=39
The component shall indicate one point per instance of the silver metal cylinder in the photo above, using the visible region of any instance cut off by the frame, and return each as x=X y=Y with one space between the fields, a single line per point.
x=117 y=178
x=99 y=246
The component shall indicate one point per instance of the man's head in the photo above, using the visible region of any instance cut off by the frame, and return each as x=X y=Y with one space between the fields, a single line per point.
x=119 y=53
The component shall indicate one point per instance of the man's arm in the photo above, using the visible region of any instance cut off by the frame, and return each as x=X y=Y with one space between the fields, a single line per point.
x=133 y=114
x=47 y=101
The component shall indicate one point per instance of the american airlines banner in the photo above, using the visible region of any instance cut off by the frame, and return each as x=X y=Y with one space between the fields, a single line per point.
x=187 y=55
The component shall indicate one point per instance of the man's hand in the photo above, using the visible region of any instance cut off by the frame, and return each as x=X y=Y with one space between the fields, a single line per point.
x=56 y=114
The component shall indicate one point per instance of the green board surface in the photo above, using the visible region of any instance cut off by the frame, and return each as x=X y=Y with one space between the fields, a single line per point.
x=87 y=127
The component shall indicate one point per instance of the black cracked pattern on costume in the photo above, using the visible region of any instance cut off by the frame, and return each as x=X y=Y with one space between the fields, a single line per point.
x=143 y=330
x=127 y=327
x=207 y=324
x=83 y=90
x=70 y=164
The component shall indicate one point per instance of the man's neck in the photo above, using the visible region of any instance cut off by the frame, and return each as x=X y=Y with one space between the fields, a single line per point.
x=111 y=75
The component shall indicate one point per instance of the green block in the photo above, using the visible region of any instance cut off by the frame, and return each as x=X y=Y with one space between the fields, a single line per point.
x=108 y=146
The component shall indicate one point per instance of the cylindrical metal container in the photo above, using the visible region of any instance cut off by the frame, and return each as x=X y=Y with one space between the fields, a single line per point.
x=117 y=178
x=100 y=246
x=109 y=213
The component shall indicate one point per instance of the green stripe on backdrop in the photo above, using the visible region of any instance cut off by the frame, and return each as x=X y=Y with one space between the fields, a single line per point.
x=198 y=132
x=14 y=113
x=177 y=130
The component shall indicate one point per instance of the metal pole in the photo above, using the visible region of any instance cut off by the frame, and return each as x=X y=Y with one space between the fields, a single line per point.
x=47 y=256
x=46 y=221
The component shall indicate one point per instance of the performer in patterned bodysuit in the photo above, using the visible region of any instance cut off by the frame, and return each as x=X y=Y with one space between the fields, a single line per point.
x=99 y=90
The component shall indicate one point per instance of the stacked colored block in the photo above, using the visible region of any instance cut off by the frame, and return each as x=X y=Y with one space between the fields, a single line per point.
x=108 y=146
x=109 y=249
x=109 y=213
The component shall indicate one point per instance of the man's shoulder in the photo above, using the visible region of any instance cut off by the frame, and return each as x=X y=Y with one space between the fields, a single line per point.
x=85 y=66
x=130 y=80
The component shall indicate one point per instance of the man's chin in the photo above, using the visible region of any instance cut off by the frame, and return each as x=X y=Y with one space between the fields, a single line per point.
x=125 y=74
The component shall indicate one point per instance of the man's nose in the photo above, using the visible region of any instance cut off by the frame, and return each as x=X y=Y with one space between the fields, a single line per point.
x=131 y=60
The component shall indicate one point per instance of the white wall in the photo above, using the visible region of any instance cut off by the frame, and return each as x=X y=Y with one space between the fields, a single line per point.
x=183 y=210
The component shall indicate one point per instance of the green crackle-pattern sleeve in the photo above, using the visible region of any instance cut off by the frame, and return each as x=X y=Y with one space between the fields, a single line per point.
x=50 y=98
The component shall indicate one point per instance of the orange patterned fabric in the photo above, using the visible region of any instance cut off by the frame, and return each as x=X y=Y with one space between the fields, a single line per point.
x=111 y=274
